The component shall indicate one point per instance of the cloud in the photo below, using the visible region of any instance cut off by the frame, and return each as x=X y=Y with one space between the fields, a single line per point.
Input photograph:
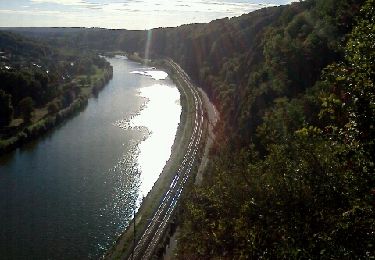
x=129 y=14
x=61 y=2
x=29 y=12
x=166 y=7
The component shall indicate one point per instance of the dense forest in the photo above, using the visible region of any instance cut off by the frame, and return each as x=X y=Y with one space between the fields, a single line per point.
x=40 y=82
x=291 y=174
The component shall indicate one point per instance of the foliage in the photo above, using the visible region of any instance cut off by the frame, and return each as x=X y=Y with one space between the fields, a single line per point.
x=303 y=186
x=53 y=107
x=34 y=69
x=349 y=104
x=26 y=107
x=6 y=108
x=40 y=83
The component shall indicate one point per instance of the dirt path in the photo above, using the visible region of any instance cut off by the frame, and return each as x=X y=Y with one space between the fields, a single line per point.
x=212 y=117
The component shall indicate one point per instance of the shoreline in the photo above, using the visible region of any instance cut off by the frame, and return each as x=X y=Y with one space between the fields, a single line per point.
x=162 y=100
x=49 y=122
x=122 y=248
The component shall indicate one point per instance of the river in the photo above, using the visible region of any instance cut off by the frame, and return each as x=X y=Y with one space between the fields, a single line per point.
x=70 y=194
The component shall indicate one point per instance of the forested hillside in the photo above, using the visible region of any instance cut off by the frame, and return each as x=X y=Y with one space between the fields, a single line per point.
x=292 y=174
x=292 y=169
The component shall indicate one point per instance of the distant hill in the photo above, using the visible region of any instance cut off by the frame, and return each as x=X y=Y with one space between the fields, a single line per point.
x=17 y=45
x=86 y=38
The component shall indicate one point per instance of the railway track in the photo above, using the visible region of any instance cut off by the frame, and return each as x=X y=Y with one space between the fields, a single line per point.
x=146 y=245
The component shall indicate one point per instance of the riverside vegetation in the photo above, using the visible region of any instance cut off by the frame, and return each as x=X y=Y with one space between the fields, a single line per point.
x=42 y=85
x=291 y=174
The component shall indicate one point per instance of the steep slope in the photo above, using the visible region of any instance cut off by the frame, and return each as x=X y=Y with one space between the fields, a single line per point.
x=292 y=175
x=289 y=177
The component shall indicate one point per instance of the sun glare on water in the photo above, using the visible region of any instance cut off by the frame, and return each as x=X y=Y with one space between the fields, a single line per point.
x=155 y=74
x=160 y=116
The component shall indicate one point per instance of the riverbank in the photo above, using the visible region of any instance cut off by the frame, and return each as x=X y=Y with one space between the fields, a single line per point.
x=45 y=120
x=123 y=247
x=82 y=178
x=168 y=246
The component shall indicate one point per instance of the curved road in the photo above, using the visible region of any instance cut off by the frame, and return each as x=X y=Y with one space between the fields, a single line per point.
x=146 y=245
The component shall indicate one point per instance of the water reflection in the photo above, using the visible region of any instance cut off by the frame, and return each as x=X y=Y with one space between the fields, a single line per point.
x=160 y=116
x=151 y=72
x=72 y=192
x=158 y=119
x=125 y=197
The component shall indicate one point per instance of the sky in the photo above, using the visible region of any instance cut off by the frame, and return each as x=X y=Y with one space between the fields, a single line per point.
x=122 y=14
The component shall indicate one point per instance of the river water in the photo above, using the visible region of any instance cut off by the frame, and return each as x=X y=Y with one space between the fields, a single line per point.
x=71 y=193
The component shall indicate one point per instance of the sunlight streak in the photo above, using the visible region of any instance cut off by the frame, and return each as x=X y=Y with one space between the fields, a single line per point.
x=148 y=45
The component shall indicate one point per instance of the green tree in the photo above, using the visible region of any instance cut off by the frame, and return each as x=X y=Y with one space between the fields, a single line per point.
x=349 y=103
x=307 y=194
x=26 y=108
x=53 y=107
x=6 y=108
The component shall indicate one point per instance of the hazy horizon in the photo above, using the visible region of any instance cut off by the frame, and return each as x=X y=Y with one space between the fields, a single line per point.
x=122 y=14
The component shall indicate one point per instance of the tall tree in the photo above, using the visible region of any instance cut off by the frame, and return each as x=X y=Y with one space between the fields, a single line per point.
x=6 y=108
x=26 y=107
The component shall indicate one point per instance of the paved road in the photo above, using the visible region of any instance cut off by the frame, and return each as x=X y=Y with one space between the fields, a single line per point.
x=146 y=246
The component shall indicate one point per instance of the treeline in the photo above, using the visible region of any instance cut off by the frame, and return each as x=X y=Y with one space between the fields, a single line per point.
x=39 y=80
